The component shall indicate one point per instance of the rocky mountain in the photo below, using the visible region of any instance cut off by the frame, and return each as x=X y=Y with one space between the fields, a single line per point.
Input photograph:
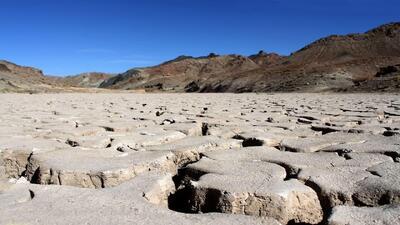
x=15 y=78
x=85 y=80
x=9 y=67
x=263 y=58
x=341 y=63
x=181 y=74
x=334 y=63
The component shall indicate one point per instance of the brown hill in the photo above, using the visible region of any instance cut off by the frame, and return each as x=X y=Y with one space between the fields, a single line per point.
x=356 y=62
x=12 y=68
x=263 y=58
x=379 y=42
x=85 y=80
x=334 y=63
x=182 y=73
x=339 y=62
x=15 y=78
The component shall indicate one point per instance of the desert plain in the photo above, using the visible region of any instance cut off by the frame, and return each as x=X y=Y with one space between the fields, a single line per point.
x=124 y=158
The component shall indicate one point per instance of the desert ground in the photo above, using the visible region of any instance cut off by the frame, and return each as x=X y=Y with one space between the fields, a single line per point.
x=115 y=158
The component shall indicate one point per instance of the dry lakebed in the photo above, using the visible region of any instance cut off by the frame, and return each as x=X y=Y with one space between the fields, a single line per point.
x=123 y=158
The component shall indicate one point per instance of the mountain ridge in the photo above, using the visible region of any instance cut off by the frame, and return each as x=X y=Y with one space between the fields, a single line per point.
x=332 y=63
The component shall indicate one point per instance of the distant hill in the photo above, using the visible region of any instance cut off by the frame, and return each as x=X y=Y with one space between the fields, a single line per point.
x=9 y=67
x=15 y=78
x=263 y=58
x=22 y=79
x=363 y=62
x=179 y=74
x=334 y=63
x=85 y=80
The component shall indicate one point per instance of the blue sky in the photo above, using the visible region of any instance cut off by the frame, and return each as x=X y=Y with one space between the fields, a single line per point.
x=65 y=37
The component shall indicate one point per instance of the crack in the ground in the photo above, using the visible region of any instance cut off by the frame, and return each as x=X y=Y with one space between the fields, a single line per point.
x=324 y=130
x=291 y=171
x=72 y=143
x=15 y=164
x=180 y=200
x=108 y=129
x=188 y=198
x=25 y=165
x=394 y=155
x=204 y=129
x=249 y=142
x=323 y=200
x=344 y=153
x=191 y=199
x=31 y=193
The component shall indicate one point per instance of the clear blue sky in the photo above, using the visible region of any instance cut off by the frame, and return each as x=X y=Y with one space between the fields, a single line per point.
x=65 y=37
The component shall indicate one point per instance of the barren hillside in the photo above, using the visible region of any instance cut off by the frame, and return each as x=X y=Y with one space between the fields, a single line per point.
x=334 y=63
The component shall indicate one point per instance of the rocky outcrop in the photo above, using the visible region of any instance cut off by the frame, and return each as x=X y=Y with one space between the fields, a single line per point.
x=263 y=58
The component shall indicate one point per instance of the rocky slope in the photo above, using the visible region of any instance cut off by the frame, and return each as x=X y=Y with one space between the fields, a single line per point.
x=9 y=67
x=334 y=63
x=181 y=74
x=263 y=58
x=85 y=80
x=341 y=63
x=15 y=78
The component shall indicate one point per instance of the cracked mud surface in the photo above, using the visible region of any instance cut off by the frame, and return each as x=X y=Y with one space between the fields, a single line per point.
x=200 y=159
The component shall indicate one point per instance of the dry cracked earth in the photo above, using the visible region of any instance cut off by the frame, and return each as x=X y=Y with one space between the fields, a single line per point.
x=200 y=159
